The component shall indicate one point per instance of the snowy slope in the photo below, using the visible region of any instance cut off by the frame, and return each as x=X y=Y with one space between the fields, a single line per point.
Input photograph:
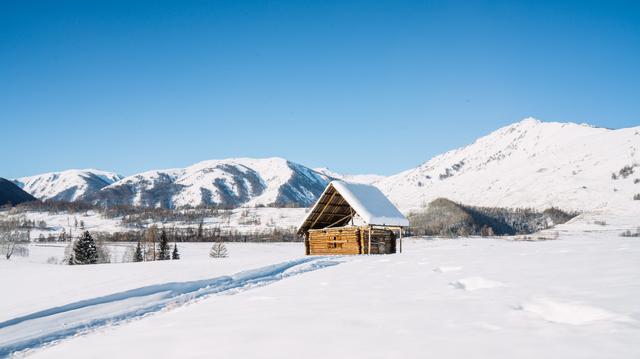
x=67 y=185
x=529 y=164
x=366 y=178
x=229 y=182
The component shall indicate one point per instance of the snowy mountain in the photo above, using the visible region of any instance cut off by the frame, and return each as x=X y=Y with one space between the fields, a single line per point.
x=67 y=185
x=526 y=164
x=366 y=179
x=530 y=164
x=228 y=182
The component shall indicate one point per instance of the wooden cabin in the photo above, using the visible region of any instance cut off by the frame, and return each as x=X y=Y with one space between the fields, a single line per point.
x=352 y=218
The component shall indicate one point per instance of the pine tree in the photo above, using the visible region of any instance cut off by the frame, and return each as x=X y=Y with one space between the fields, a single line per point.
x=137 y=255
x=164 y=247
x=175 y=254
x=218 y=250
x=85 y=251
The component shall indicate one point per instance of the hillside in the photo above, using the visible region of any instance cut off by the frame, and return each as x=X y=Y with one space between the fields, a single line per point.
x=10 y=193
x=67 y=185
x=229 y=182
x=446 y=218
x=529 y=164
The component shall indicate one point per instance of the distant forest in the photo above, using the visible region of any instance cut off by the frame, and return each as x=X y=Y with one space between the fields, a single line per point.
x=443 y=217
x=137 y=219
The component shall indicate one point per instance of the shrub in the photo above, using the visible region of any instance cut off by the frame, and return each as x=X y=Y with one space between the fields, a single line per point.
x=628 y=233
x=218 y=250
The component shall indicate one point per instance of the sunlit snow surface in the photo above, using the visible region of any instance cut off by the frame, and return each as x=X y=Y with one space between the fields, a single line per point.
x=575 y=297
x=57 y=323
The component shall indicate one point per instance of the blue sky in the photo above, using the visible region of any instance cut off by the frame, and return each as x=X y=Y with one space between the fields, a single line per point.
x=357 y=86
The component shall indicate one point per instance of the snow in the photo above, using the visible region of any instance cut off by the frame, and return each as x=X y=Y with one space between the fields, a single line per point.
x=475 y=283
x=242 y=181
x=54 y=184
x=569 y=313
x=38 y=286
x=575 y=297
x=528 y=164
x=370 y=204
x=446 y=269
x=65 y=321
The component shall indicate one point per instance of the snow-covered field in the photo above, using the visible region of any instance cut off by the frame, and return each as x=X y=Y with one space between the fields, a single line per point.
x=575 y=297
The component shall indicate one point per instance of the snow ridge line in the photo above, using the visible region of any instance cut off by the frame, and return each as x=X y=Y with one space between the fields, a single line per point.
x=49 y=325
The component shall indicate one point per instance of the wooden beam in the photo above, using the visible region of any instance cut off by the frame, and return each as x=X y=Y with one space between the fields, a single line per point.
x=369 y=249
x=324 y=207
x=338 y=221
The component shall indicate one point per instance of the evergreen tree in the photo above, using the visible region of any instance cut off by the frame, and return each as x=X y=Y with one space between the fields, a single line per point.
x=85 y=251
x=175 y=254
x=137 y=255
x=200 y=229
x=164 y=247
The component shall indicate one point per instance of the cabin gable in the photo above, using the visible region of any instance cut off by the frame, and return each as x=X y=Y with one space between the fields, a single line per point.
x=352 y=219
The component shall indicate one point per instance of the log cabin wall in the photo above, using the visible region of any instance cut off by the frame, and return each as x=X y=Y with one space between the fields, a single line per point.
x=350 y=240
x=340 y=240
x=383 y=241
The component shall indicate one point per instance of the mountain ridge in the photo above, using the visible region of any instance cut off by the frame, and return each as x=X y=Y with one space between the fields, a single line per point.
x=228 y=182
x=526 y=164
x=529 y=163
x=68 y=185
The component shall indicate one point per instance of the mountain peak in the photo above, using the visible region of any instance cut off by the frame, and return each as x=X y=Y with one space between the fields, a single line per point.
x=529 y=121
x=527 y=164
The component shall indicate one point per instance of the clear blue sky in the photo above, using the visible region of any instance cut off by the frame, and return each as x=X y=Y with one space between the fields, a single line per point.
x=358 y=86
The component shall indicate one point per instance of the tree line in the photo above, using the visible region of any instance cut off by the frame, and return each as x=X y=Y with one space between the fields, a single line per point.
x=87 y=250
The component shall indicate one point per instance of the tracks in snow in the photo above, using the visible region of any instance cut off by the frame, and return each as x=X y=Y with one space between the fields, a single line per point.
x=43 y=327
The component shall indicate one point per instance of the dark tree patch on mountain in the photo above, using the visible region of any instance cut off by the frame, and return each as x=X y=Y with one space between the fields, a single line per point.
x=11 y=194
x=443 y=217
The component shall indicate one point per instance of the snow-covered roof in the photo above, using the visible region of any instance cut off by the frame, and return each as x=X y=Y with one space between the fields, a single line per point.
x=341 y=200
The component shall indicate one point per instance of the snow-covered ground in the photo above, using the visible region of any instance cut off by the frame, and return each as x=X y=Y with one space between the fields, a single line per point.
x=575 y=297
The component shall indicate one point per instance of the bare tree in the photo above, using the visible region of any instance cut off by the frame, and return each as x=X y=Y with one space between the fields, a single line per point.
x=149 y=243
x=218 y=250
x=14 y=242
